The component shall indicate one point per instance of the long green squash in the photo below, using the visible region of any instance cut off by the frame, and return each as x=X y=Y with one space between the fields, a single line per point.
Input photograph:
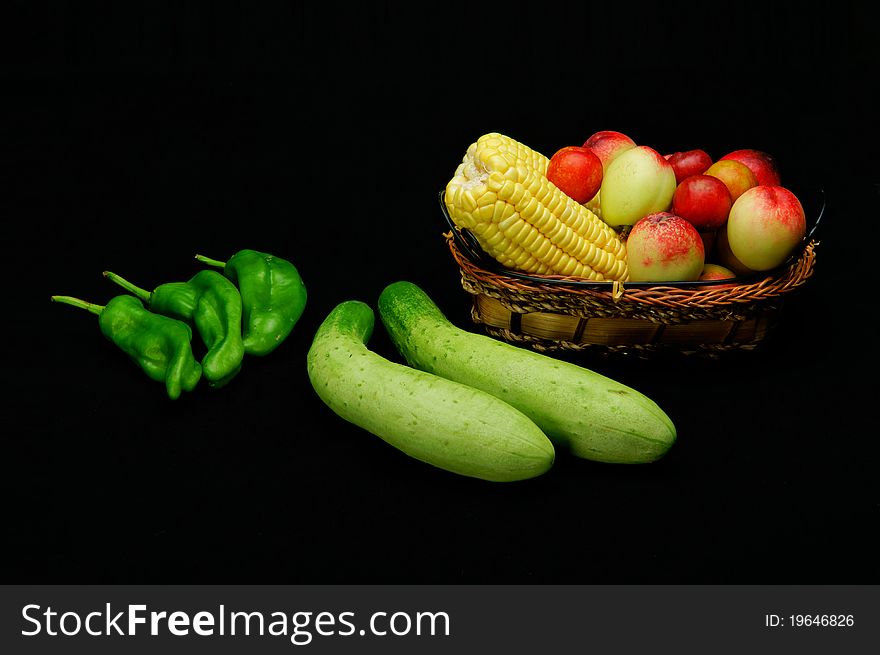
x=449 y=425
x=591 y=415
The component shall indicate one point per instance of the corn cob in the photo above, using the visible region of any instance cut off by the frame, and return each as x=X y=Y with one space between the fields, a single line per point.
x=501 y=194
x=594 y=205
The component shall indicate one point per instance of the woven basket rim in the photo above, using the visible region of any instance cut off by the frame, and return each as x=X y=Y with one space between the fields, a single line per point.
x=674 y=297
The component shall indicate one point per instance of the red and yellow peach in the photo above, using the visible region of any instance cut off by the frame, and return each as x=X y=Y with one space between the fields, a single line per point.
x=737 y=176
x=663 y=247
x=725 y=256
x=637 y=183
x=608 y=145
x=716 y=272
x=764 y=226
x=762 y=165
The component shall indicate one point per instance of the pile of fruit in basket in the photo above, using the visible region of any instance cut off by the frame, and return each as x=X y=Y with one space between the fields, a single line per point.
x=615 y=210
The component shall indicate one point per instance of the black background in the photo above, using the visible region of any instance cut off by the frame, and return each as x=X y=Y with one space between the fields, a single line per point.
x=135 y=138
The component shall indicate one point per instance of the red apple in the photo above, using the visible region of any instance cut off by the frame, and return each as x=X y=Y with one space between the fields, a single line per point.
x=737 y=176
x=608 y=145
x=765 y=224
x=663 y=247
x=763 y=165
x=576 y=171
x=703 y=200
x=689 y=162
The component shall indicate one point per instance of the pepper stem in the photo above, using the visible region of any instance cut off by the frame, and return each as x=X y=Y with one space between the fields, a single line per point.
x=143 y=294
x=82 y=304
x=210 y=262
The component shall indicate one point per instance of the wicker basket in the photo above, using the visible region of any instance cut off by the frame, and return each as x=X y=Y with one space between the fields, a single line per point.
x=555 y=313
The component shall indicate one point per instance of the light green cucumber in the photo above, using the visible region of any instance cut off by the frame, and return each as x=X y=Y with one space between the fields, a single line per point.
x=449 y=425
x=590 y=415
